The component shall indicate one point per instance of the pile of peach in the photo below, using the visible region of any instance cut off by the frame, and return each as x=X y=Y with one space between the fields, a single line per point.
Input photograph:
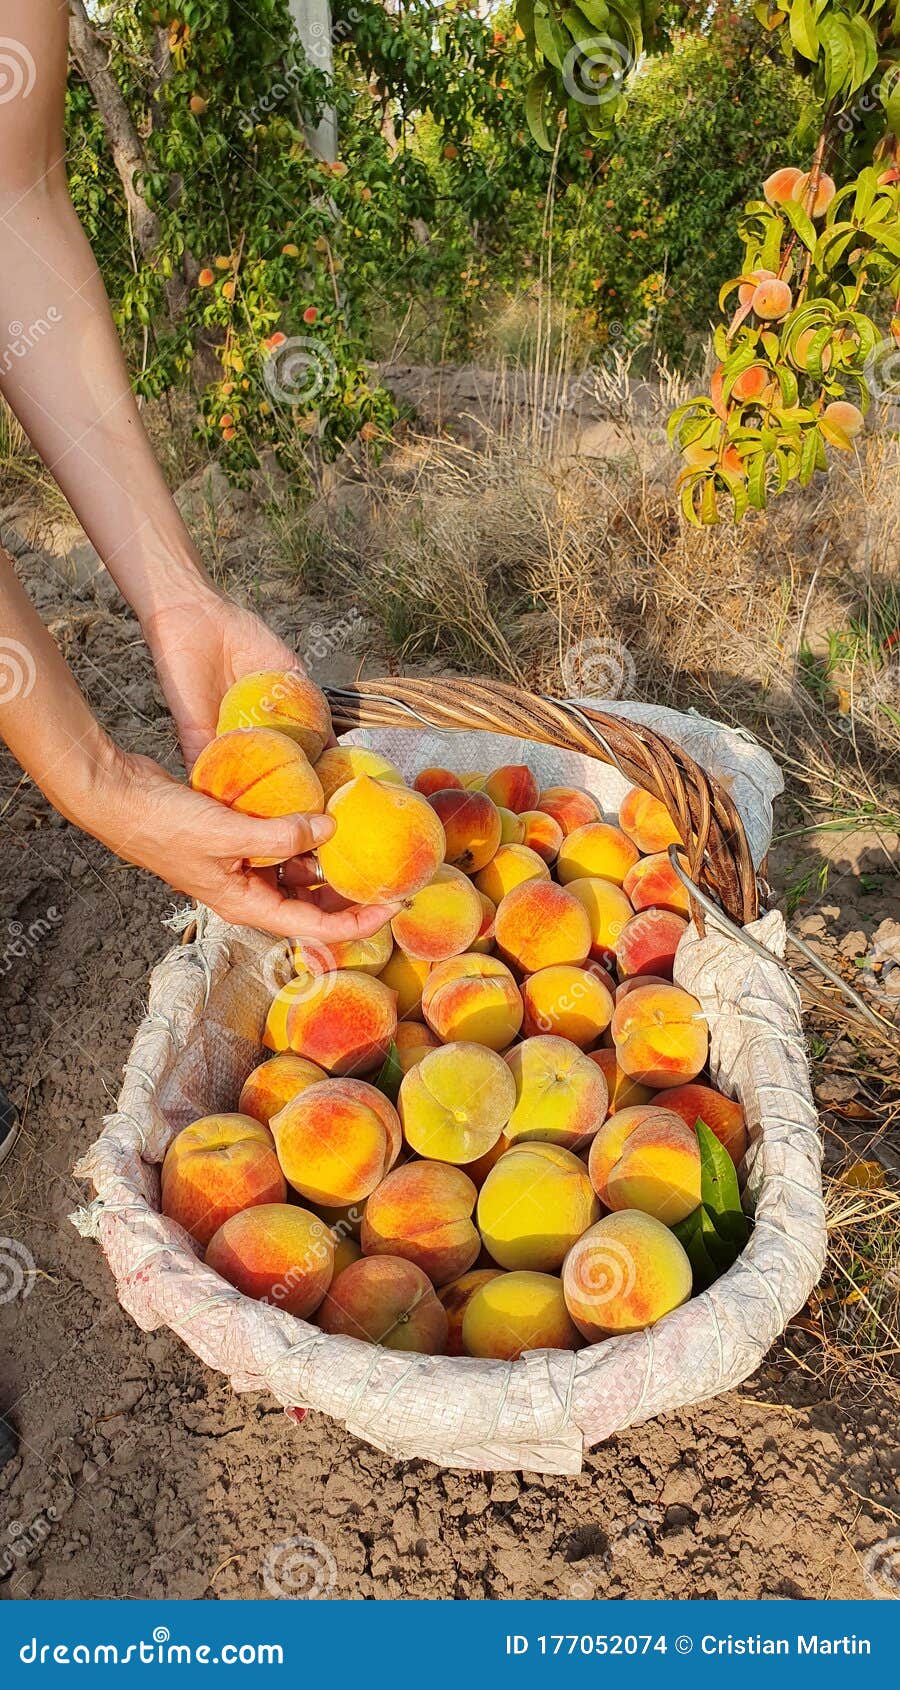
x=478 y=1127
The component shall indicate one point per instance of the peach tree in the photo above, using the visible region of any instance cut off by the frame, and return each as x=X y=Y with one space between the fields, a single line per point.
x=812 y=330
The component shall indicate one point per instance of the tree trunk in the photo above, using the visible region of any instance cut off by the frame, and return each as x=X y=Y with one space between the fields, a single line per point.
x=125 y=146
x=312 y=21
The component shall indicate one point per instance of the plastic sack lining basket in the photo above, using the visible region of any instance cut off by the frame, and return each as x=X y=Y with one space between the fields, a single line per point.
x=201 y=1037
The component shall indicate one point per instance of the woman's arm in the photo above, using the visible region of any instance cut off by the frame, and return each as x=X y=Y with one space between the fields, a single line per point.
x=70 y=390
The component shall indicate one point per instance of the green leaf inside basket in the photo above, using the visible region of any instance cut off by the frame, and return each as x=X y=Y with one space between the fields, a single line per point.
x=391 y=1074
x=714 y=1234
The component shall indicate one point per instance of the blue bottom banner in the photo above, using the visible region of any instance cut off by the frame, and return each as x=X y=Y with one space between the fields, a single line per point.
x=436 y=1644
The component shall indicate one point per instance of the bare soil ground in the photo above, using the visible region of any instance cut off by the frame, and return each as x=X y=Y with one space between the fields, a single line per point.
x=140 y=1474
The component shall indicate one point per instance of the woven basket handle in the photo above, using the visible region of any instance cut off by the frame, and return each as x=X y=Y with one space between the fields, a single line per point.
x=705 y=814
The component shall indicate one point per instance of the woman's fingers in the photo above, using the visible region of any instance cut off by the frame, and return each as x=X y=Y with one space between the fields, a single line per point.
x=282 y=837
x=252 y=900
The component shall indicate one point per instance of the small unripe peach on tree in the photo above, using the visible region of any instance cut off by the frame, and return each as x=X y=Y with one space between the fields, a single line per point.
x=310 y=314
x=750 y=383
x=780 y=186
x=845 y=416
x=222 y=262
x=228 y=290
x=198 y=105
x=772 y=299
x=289 y=250
x=206 y=278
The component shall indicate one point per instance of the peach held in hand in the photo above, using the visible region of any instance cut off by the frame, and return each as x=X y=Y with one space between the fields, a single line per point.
x=342 y=763
x=343 y=1021
x=660 y=1036
x=337 y=1140
x=387 y=843
x=625 y=1273
x=473 y=997
x=275 y=1082
x=258 y=772
x=277 y=1253
x=471 y=824
x=560 y=1096
x=456 y=1103
x=285 y=700
x=441 y=920
x=516 y=1312
x=216 y=1167
x=538 y=924
x=423 y=1212
x=533 y=1205
x=388 y=1301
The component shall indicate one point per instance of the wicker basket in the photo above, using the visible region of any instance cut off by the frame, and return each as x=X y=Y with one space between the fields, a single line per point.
x=201 y=1037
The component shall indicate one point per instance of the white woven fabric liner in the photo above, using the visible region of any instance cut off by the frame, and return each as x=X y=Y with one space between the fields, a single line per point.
x=200 y=1039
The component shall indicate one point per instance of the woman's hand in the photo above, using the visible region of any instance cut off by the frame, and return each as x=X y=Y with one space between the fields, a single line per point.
x=201 y=644
x=200 y=847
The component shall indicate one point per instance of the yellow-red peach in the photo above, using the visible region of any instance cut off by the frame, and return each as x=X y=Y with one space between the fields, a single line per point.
x=433 y=780
x=510 y=866
x=622 y=1090
x=423 y=1212
x=405 y=975
x=517 y=1312
x=570 y=807
x=608 y=1143
x=801 y=345
x=346 y=1250
x=286 y=700
x=441 y=920
x=412 y=1041
x=848 y=418
x=751 y=383
x=387 y=843
x=772 y=299
x=624 y=1274
x=745 y=297
x=561 y=1097
x=367 y=956
x=471 y=824
x=660 y=1036
x=512 y=827
x=538 y=924
x=514 y=786
x=388 y=1301
x=647 y=822
x=473 y=997
x=484 y=938
x=277 y=1253
x=779 y=187
x=533 y=1205
x=218 y=1166
x=343 y=1021
x=658 y=1170
x=823 y=193
x=275 y=1035
x=542 y=834
x=456 y=1102
x=258 y=772
x=474 y=782
x=653 y=883
x=648 y=942
x=455 y=1299
x=274 y=1082
x=572 y=1002
x=336 y=1140
x=342 y=763
x=479 y=1169
x=722 y=1115
x=608 y=907
x=596 y=850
